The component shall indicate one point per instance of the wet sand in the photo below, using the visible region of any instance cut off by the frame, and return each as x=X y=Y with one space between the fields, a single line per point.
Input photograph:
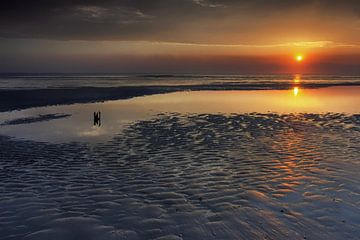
x=189 y=176
x=36 y=119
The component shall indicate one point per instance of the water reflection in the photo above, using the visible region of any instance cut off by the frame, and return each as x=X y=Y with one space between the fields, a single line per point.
x=121 y=113
x=296 y=91
x=297 y=78
x=97 y=118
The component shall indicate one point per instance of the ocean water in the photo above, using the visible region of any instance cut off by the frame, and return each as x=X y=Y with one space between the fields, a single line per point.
x=47 y=81
x=281 y=163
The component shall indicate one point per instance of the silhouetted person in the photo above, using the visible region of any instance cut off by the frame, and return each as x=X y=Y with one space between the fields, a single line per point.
x=97 y=118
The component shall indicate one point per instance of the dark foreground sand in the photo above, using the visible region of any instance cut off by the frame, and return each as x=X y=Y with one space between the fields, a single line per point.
x=249 y=176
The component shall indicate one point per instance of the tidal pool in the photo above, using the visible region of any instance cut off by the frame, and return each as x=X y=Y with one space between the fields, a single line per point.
x=78 y=125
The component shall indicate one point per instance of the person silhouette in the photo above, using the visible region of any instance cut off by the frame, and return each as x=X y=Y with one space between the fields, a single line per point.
x=97 y=118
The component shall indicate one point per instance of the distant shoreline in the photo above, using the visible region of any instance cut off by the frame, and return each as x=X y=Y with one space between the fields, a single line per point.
x=18 y=99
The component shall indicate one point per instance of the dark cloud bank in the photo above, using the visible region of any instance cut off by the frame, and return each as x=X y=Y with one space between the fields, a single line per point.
x=184 y=21
x=162 y=20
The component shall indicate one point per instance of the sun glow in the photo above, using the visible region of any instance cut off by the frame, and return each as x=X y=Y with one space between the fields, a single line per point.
x=299 y=57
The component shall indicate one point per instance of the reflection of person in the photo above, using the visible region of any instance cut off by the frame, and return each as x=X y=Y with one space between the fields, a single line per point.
x=97 y=118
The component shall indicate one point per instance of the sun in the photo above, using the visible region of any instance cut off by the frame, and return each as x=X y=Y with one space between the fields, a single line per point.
x=299 y=57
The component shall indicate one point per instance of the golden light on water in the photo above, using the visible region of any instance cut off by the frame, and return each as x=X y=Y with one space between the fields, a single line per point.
x=296 y=91
x=297 y=78
x=294 y=100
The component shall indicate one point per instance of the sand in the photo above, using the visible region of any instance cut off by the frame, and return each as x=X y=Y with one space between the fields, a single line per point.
x=189 y=176
x=36 y=119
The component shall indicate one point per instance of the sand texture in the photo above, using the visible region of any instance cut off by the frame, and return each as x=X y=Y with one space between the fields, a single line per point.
x=197 y=176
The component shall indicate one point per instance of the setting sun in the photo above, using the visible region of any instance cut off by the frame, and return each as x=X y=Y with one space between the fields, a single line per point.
x=299 y=58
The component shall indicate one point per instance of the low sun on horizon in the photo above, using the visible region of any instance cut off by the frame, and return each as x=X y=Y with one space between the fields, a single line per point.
x=299 y=57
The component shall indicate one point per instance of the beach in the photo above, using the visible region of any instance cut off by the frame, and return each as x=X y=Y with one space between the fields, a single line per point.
x=180 y=120
x=175 y=164
x=25 y=91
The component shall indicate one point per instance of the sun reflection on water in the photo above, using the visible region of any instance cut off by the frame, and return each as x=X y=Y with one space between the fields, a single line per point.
x=296 y=91
x=297 y=78
x=296 y=88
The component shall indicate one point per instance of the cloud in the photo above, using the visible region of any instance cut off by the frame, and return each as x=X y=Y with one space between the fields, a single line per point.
x=205 y=3
x=91 y=12
x=309 y=44
x=118 y=15
x=201 y=21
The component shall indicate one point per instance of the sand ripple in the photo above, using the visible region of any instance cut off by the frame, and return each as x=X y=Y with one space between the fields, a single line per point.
x=251 y=176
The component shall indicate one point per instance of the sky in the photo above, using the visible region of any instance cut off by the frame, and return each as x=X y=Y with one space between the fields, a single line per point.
x=180 y=36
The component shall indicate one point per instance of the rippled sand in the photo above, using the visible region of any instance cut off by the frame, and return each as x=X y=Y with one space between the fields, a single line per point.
x=246 y=176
